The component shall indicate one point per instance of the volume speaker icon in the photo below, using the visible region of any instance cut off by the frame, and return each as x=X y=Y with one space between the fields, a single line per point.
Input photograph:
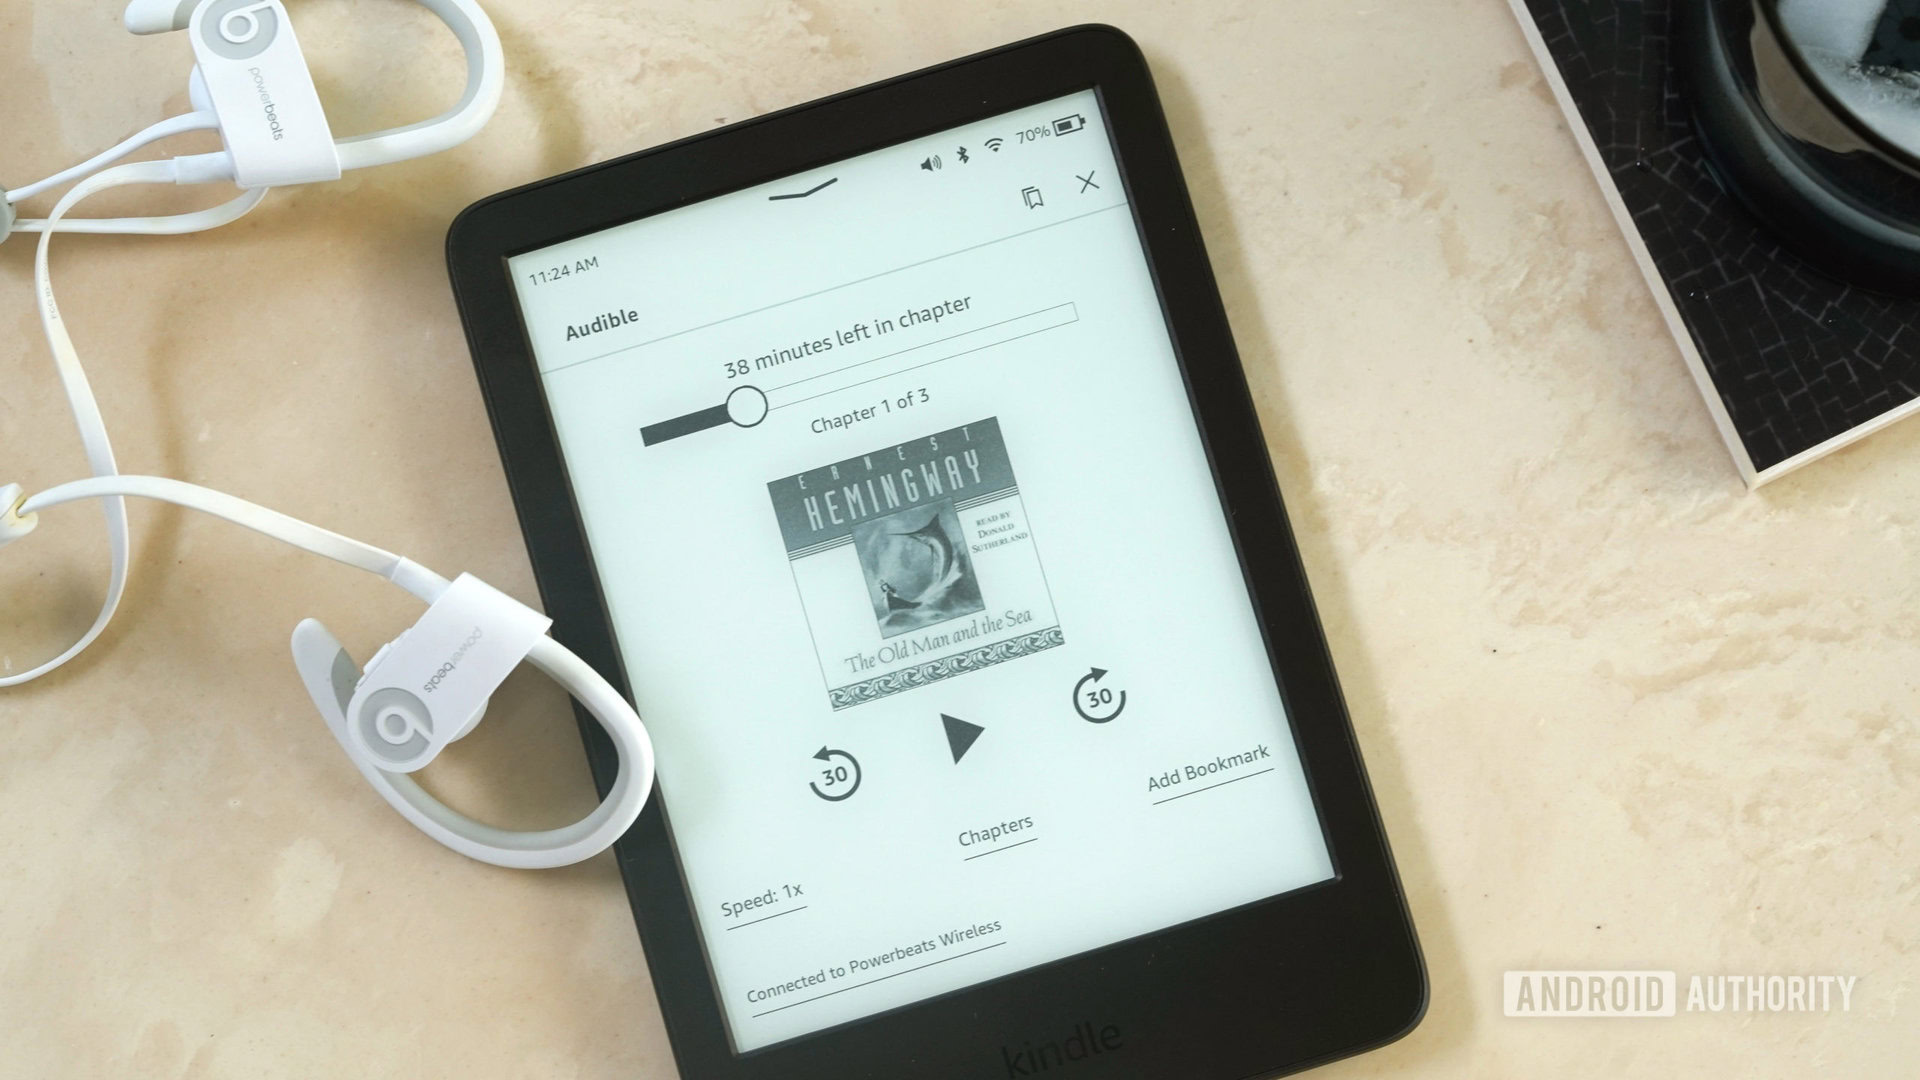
x=932 y=163
x=994 y=144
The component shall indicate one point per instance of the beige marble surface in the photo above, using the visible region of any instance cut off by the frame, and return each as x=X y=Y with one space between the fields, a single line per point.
x=1618 y=712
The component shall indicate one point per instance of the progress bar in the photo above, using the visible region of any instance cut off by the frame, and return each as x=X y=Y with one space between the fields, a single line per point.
x=747 y=406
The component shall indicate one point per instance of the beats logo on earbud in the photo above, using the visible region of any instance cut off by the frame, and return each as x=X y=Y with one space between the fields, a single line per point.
x=394 y=727
x=241 y=29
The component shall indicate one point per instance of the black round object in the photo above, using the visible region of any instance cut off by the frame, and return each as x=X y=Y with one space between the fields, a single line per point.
x=1832 y=187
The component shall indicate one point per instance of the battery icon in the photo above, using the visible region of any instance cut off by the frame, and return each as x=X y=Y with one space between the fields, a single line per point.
x=1067 y=125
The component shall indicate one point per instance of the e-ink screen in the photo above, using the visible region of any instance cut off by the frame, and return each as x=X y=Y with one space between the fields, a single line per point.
x=918 y=570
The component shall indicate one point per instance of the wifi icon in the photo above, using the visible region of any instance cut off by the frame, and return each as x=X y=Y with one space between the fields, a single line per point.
x=994 y=144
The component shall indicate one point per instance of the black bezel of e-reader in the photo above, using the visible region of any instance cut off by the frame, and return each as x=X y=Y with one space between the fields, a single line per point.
x=1270 y=987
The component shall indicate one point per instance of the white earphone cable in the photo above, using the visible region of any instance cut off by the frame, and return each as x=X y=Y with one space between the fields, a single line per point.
x=165 y=129
x=172 y=171
x=548 y=848
x=80 y=398
x=288 y=530
x=167 y=225
x=86 y=411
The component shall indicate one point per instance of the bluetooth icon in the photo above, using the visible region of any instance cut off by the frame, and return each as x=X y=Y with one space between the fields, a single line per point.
x=962 y=155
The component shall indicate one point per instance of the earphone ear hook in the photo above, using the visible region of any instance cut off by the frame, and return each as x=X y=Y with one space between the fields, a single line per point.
x=343 y=694
x=486 y=80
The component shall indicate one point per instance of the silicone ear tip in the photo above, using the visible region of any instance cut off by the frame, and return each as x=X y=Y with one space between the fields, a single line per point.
x=327 y=670
x=313 y=635
x=14 y=524
x=158 y=16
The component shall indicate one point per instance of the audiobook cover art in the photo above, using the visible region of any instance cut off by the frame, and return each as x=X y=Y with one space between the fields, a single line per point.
x=915 y=563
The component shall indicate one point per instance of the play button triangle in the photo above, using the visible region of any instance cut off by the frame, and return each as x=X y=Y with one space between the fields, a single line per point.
x=960 y=735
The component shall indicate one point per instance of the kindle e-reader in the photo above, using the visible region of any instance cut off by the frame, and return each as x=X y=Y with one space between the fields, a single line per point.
x=893 y=454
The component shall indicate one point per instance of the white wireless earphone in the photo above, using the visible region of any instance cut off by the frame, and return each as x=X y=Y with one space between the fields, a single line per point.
x=246 y=47
x=251 y=83
x=428 y=687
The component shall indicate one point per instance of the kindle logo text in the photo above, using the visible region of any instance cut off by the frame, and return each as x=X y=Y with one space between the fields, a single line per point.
x=1038 y=1059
